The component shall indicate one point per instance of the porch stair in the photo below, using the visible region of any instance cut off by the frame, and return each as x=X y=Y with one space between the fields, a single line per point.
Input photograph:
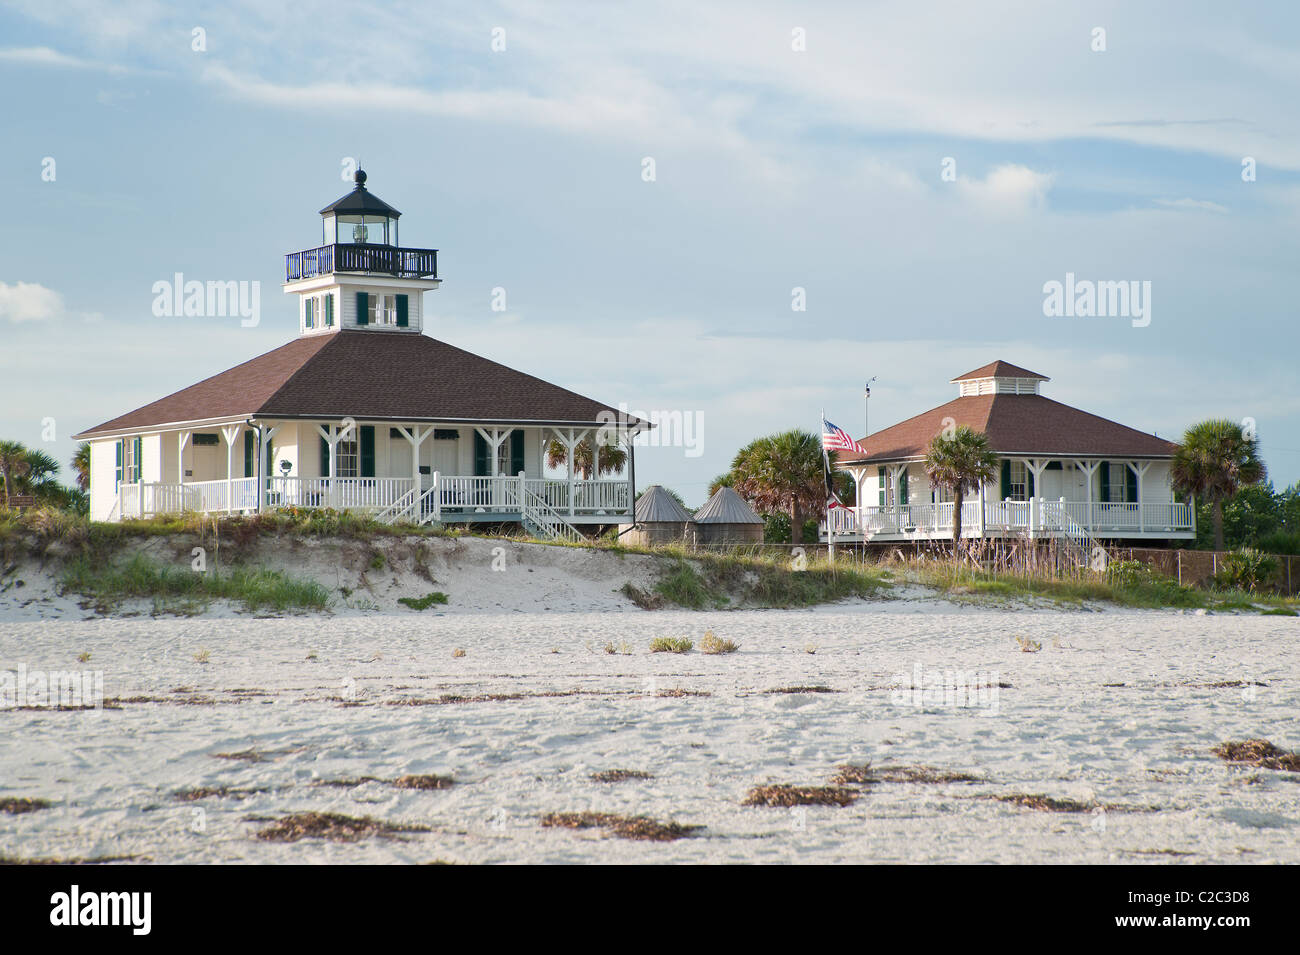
x=1079 y=542
x=399 y=509
x=544 y=521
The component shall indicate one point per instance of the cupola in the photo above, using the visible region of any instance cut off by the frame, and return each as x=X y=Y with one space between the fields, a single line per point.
x=999 y=378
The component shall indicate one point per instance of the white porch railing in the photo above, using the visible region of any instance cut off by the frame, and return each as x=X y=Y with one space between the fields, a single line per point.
x=363 y=494
x=389 y=499
x=1076 y=519
x=148 y=498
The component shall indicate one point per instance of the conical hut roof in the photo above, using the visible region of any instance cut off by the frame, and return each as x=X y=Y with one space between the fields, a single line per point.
x=655 y=505
x=726 y=507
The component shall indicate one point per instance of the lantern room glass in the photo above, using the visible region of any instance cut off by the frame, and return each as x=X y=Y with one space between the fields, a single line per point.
x=359 y=229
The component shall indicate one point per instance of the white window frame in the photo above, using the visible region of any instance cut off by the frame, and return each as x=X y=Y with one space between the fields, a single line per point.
x=347 y=458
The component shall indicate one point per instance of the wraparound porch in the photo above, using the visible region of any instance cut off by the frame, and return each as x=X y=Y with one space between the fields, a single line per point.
x=1033 y=518
x=436 y=497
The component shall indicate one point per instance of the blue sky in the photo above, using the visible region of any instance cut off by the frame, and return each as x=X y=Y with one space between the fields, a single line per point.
x=775 y=168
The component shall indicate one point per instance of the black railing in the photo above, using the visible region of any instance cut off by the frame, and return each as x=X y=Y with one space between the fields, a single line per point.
x=405 y=263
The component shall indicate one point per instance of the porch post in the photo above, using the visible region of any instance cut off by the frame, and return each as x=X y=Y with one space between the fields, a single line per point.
x=1141 y=476
x=182 y=440
x=331 y=436
x=570 y=443
x=898 y=471
x=982 y=519
x=266 y=434
x=230 y=432
x=1088 y=471
x=859 y=476
x=415 y=437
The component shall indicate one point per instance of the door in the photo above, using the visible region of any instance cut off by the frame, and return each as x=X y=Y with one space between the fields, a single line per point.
x=399 y=457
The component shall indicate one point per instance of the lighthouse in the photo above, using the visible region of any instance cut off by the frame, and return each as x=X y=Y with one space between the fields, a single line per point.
x=360 y=276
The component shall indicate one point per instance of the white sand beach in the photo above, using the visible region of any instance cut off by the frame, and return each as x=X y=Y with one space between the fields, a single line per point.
x=1117 y=710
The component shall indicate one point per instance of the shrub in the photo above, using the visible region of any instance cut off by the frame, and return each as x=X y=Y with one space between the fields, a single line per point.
x=425 y=602
x=1129 y=573
x=715 y=644
x=671 y=645
x=1246 y=569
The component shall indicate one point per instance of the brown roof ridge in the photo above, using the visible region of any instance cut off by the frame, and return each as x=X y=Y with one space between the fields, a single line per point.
x=308 y=345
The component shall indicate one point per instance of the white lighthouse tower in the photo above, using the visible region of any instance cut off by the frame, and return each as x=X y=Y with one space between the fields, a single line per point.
x=360 y=276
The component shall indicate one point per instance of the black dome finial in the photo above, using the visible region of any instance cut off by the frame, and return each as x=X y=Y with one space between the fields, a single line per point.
x=360 y=178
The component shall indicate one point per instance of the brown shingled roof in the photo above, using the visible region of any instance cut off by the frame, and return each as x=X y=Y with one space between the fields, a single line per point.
x=370 y=375
x=1001 y=369
x=1016 y=425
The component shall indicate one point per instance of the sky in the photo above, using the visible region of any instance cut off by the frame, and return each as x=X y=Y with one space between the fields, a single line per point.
x=651 y=183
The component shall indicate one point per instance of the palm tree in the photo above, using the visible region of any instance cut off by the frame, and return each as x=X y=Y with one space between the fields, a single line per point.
x=13 y=465
x=783 y=473
x=41 y=475
x=81 y=464
x=960 y=461
x=1215 y=460
x=612 y=458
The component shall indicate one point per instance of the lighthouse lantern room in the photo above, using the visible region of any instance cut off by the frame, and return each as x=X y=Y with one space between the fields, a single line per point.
x=360 y=276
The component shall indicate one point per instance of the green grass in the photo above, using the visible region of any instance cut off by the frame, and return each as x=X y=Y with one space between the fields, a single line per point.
x=425 y=602
x=709 y=580
x=671 y=645
x=177 y=589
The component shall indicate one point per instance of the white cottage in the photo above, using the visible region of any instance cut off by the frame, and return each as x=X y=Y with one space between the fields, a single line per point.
x=363 y=411
x=1064 y=472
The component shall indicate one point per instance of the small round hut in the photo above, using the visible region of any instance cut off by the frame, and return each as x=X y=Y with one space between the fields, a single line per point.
x=659 y=519
x=726 y=521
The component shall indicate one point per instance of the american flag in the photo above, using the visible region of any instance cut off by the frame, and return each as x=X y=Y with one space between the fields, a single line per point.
x=837 y=439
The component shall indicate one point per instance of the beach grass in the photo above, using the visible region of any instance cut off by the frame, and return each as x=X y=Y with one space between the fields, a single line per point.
x=108 y=584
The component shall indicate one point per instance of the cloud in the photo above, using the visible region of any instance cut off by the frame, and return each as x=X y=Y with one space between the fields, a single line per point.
x=29 y=302
x=45 y=56
x=1195 y=205
x=1008 y=190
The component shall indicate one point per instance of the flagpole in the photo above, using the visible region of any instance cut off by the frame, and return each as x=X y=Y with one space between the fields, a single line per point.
x=829 y=482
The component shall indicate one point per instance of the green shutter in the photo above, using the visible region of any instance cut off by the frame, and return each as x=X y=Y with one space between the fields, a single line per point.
x=902 y=487
x=324 y=458
x=139 y=461
x=1105 y=481
x=1006 y=481
x=363 y=308
x=880 y=482
x=309 y=308
x=1029 y=483
x=1132 y=484
x=269 y=469
x=367 y=450
x=329 y=310
x=117 y=476
x=482 y=457
x=403 y=321
x=250 y=455
x=517 y=452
